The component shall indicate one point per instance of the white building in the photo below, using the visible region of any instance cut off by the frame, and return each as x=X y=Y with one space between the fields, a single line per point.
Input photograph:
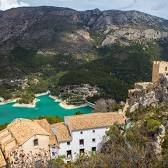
x=26 y=141
x=82 y=133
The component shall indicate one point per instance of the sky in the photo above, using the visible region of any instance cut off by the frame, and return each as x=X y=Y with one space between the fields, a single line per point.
x=154 y=7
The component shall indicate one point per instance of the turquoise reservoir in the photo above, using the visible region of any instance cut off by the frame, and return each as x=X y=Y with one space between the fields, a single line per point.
x=45 y=107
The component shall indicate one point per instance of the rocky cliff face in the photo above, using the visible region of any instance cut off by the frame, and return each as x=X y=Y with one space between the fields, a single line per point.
x=127 y=35
x=126 y=27
x=155 y=144
x=97 y=19
x=151 y=95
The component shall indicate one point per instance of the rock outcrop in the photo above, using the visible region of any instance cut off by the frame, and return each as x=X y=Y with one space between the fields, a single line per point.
x=153 y=147
x=147 y=94
x=128 y=35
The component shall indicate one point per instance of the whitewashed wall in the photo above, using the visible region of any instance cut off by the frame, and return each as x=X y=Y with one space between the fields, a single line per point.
x=43 y=141
x=87 y=135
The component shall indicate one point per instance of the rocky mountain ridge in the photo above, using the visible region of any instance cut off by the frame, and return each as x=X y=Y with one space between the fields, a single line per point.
x=49 y=27
x=97 y=19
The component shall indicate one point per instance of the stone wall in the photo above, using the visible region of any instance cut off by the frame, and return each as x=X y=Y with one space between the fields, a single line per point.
x=159 y=68
x=18 y=159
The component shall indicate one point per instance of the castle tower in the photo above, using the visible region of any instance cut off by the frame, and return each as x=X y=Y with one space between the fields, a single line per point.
x=159 y=68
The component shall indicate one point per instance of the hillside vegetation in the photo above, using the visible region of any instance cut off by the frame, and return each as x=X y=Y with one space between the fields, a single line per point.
x=115 y=70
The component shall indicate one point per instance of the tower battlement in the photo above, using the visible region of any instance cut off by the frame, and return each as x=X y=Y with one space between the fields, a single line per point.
x=159 y=68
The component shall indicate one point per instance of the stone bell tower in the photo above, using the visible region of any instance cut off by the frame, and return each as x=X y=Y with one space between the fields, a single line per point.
x=159 y=68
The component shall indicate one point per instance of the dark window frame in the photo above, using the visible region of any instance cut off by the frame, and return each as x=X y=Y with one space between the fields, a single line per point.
x=81 y=142
x=82 y=151
x=36 y=142
x=94 y=149
x=69 y=153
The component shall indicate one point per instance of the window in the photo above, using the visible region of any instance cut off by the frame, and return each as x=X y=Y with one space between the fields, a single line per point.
x=53 y=153
x=35 y=142
x=93 y=140
x=94 y=150
x=81 y=141
x=69 y=154
x=81 y=132
x=166 y=69
x=68 y=143
x=93 y=131
x=82 y=151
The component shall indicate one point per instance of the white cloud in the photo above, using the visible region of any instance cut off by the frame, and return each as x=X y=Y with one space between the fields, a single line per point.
x=7 y=4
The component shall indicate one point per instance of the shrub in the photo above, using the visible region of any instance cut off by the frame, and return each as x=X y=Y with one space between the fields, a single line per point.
x=152 y=125
x=78 y=113
x=27 y=97
x=51 y=120
x=58 y=162
x=3 y=127
x=165 y=143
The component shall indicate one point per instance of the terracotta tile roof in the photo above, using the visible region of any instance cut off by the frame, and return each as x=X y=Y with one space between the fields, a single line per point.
x=44 y=124
x=62 y=132
x=4 y=133
x=94 y=120
x=23 y=129
x=2 y=160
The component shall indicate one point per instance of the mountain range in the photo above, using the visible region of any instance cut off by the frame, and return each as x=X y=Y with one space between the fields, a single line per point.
x=111 y=49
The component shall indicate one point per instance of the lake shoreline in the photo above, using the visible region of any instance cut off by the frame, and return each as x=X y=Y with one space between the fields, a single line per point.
x=42 y=94
x=45 y=107
x=66 y=106
x=8 y=101
x=31 y=105
x=70 y=107
x=55 y=98
x=62 y=103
